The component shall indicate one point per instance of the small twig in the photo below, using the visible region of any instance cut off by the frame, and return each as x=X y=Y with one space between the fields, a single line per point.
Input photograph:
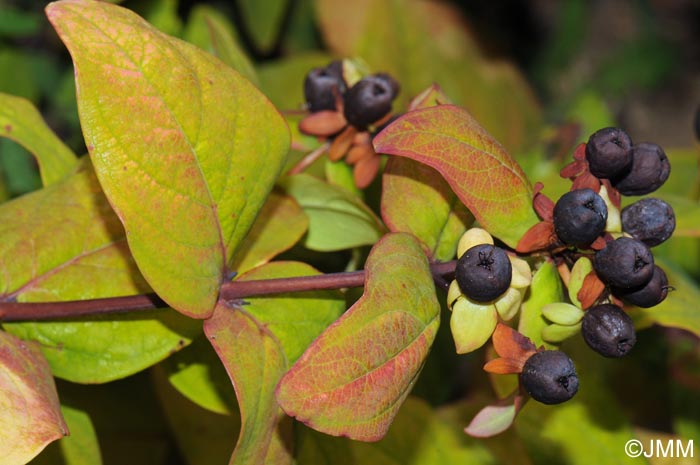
x=233 y=290
x=309 y=159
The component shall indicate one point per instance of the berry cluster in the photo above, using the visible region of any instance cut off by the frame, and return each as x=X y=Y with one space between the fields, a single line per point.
x=348 y=109
x=601 y=251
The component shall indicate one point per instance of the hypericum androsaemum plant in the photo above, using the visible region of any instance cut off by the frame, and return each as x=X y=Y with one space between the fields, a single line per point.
x=159 y=247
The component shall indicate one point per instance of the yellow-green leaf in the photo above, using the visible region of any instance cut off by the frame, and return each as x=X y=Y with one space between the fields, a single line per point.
x=186 y=157
x=21 y=122
x=546 y=288
x=354 y=377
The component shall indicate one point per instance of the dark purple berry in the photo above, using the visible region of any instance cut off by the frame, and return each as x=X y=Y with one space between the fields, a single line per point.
x=609 y=152
x=649 y=295
x=549 y=377
x=649 y=220
x=649 y=170
x=579 y=217
x=369 y=100
x=483 y=272
x=624 y=263
x=608 y=330
x=323 y=85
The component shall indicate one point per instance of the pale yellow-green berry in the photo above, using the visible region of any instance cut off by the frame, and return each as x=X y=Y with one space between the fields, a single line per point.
x=614 y=223
x=562 y=313
x=472 y=324
x=472 y=237
x=579 y=271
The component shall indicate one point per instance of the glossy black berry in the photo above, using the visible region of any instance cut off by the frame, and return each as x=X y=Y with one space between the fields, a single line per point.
x=608 y=330
x=369 y=100
x=549 y=377
x=649 y=220
x=649 y=170
x=579 y=217
x=483 y=272
x=322 y=86
x=609 y=152
x=624 y=263
x=649 y=295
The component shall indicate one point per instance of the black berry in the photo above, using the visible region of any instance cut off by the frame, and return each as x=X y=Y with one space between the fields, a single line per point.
x=625 y=263
x=483 y=272
x=608 y=330
x=322 y=86
x=369 y=100
x=579 y=217
x=609 y=152
x=650 y=220
x=549 y=377
x=649 y=295
x=649 y=170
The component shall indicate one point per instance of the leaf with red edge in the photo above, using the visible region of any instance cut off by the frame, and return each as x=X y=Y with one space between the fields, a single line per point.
x=509 y=343
x=496 y=418
x=186 y=157
x=30 y=415
x=255 y=362
x=478 y=169
x=352 y=380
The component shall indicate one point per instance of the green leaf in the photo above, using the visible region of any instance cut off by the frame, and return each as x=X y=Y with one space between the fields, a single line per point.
x=478 y=169
x=418 y=436
x=416 y=199
x=264 y=19
x=337 y=219
x=81 y=446
x=546 y=288
x=186 y=161
x=378 y=346
x=210 y=30
x=279 y=225
x=472 y=324
x=495 y=419
x=203 y=437
x=441 y=50
x=678 y=310
x=21 y=122
x=255 y=362
x=296 y=319
x=82 y=255
x=30 y=415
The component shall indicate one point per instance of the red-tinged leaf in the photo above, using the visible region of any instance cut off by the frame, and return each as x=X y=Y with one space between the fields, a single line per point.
x=509 y=343
x=496 y=418
x=591 y=289
x=480 y=172
x=186 y=158
x=352 y=380
x=255 y=362
x=418 y=200
x=430 y=97
x=503 y=366
x=30 y=415
x=539 y=237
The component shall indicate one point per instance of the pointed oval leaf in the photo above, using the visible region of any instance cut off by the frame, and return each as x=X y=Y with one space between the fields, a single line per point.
x=81 y=446
x=21 y=122
x=82 y=255
x=186 y=157
x=30 y=415
x=496 y=418
x=416 y=199
x=478 y=169
x=255 y=362
x=337 y=219
x=472 y=324
x=352 y=380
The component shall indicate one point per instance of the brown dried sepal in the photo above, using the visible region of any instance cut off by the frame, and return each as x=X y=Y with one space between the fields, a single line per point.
x=323 y=123
x=539 y=237
x=591 y=290
x=513 y=348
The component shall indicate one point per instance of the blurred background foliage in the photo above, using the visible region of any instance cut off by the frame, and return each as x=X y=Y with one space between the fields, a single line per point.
x=539 y=75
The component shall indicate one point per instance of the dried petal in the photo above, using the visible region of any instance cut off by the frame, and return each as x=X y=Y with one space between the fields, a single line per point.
x=341 y=144
x=366 y=170
x=539 y=237
x=591 y=290
x=323 y=123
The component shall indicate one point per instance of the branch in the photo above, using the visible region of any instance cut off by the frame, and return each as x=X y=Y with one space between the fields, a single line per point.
x=233 y=290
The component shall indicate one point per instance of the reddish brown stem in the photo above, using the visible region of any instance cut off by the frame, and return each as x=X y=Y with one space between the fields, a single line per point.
x=234 y=290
